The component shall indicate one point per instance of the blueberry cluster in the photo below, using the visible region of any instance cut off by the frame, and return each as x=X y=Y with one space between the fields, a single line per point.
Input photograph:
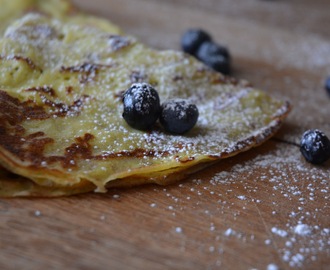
x=315 y=146
x=199 y=43
x=142 y=108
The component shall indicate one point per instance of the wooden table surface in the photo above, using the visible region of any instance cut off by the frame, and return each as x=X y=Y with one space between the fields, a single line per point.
x=263 y=209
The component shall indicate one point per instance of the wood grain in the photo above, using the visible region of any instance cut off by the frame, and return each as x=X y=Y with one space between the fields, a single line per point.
x=266 y=207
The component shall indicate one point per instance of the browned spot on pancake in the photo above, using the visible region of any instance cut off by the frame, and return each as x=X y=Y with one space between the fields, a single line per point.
x=69 y=89
x=58 y=108
x=182 y=145
x=231 y=80
x=26 y=60
x=80 y=149
x=84 y=68
x=87 y=71
x=218 y=79
x=137 y=153
x=117 y=42
x=62 y=109
x=13 y=113
x=177 y=78
x=28 y=148
x=42 y=89
x=31 y=147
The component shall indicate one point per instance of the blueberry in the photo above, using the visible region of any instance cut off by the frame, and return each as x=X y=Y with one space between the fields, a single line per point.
x=178 y=116
x=212 y=48
x=315 y=146
x=327 y=85
x=141 y=106
x=215 y=56
x=192 y=39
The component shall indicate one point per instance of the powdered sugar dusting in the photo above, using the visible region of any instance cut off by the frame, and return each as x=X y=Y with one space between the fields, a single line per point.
x=303 y=229
x=272 y=267
x=142 y=92
x=284 y=175
x=280 y=197
x=279 y=232
x=178 y=106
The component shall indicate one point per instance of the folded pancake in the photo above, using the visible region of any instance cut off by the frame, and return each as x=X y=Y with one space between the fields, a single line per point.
x=61 y=121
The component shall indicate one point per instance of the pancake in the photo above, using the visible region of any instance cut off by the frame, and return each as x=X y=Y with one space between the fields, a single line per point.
x=61 y=121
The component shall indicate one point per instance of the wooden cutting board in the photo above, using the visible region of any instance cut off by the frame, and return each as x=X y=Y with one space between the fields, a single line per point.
x=263 y=209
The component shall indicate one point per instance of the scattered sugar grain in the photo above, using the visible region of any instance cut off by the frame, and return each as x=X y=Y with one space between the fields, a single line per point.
x=229 y=232
x=178 y=230
x=302 y=229
x=297 y=260
x=279 y=232
x=268 y=241
x=288 y=244
x=272 y=266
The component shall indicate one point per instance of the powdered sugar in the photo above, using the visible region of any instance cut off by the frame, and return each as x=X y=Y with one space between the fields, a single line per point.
x=279 y=232
x=302 y=229
x=288 y=176
x=179 y=107
x=272 y=267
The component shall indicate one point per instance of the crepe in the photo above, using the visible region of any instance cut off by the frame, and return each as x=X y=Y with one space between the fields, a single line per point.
x=61 y=122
